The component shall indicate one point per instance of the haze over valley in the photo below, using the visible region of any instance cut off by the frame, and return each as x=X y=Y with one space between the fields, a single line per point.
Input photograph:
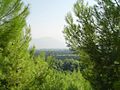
x=48 y=43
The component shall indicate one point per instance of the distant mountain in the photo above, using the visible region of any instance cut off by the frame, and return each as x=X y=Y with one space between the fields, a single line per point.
x=47 y=43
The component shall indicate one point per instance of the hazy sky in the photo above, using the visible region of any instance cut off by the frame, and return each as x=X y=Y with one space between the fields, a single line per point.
x=47 y=17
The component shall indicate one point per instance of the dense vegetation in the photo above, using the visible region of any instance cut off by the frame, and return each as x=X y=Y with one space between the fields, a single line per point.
x=94 y=36
x=59 y=54
x=20 y=69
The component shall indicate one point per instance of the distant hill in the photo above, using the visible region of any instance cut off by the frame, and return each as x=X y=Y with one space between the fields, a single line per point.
x=47 y=43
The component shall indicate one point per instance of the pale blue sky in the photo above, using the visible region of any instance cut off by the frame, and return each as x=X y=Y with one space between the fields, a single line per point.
x=47 y=17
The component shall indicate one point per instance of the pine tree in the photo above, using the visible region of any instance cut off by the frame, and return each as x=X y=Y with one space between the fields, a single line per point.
x=95 y=36
x=18 y=69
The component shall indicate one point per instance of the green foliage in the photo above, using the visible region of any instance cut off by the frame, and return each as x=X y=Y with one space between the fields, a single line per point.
x=63 y=65
x=65 y=81
x=18 y=68
x=95 y=36
x=116 y=85
x=64 y=75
